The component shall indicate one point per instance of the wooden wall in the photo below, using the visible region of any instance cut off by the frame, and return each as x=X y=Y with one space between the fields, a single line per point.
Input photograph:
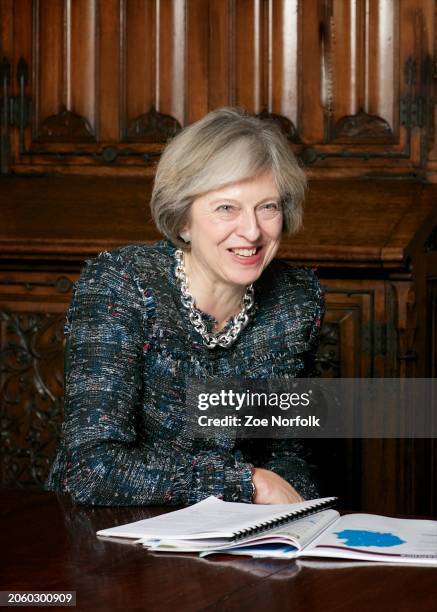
x=97 y=86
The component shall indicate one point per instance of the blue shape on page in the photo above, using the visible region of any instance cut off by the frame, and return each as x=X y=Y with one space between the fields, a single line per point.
x=361 y=537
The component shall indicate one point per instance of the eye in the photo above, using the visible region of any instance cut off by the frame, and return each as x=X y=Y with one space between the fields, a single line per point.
x=269 y=210
x=270 y=206
x=225 y=208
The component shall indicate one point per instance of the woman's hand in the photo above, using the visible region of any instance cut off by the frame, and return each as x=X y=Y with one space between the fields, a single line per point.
x=272 y=489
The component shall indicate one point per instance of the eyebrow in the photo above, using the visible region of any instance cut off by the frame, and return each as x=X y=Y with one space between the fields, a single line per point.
x=269 y=199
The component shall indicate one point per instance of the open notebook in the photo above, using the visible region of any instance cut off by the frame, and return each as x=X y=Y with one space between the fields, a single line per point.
x=306 y=529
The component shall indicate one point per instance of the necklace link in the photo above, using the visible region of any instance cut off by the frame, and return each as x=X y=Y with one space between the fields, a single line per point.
x=211 y=340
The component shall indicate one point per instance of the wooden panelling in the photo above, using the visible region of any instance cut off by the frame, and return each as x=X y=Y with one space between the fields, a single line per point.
x=140 y=59
x=350 y=79
x=32 y=313
x=49 y=59
x=81 y=58
x=220 y=56
x=108 y=78
x=363 y=69
x=382 y=36
x=398 y=474
x=170 y=26
x=283 y=59
x=352 y=309
x=199 y=54
x=250 y=85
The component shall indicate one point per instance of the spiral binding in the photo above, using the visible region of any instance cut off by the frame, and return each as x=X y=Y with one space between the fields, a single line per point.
x=283 y=519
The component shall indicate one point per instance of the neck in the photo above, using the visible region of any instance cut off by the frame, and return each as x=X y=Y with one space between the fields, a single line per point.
x=220 y=300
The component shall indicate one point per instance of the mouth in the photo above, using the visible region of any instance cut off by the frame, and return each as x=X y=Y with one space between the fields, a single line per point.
x=245 y=252
x=247 y=256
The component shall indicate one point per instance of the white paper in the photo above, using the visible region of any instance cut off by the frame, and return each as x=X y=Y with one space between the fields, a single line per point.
x=297 y=534
x=210 y=518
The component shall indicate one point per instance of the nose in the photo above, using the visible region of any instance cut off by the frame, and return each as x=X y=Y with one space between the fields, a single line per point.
x=248 y=226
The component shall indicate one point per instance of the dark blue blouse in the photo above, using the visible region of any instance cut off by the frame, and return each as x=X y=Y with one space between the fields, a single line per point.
x=131 y=349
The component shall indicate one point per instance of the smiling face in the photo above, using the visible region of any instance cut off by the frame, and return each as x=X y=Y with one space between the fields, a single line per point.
x=235 y=231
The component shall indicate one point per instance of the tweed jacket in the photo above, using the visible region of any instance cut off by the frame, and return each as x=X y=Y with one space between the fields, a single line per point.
x=130 y=349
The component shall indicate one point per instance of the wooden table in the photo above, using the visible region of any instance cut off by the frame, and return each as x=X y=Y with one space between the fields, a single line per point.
x=47 y=543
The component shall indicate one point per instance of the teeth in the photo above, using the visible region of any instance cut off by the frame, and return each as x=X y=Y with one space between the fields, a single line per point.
x=244 y=252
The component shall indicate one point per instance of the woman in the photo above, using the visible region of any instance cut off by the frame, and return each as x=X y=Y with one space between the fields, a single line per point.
x=209 y=301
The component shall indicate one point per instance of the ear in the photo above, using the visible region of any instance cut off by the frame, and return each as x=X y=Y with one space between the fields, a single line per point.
x=185 y=227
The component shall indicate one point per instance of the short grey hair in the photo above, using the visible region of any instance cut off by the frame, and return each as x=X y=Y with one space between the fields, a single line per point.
x=225 y=146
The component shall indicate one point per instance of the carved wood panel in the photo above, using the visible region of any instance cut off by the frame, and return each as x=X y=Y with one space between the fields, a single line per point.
x=104 y=84
x=31 y=389
x=354 y=312
x=32 y=314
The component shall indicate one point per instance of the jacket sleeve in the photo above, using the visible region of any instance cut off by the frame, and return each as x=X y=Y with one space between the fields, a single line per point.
x=318 y=297
x=105 y=464
x=288 y=459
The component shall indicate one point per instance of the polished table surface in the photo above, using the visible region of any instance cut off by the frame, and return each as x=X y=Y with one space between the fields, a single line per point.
x=47 y=543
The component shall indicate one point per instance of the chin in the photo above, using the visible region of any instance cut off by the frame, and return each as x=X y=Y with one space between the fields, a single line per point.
x=246 y=278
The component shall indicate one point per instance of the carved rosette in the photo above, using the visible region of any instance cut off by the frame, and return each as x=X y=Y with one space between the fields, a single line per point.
x=362 y=127
x=31 y=381
x=66 y=126
x=152 y=127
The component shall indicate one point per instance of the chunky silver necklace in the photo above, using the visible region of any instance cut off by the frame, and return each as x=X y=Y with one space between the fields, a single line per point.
x=211 y=340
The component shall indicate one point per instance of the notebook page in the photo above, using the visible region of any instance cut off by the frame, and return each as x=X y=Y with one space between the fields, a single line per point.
x=378 y=538
x=297 y=534
x=211 y=517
